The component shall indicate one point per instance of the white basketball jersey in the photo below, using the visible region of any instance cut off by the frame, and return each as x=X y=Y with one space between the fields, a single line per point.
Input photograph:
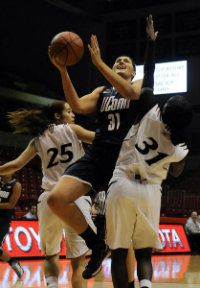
x=58 y=147
x=147 y=149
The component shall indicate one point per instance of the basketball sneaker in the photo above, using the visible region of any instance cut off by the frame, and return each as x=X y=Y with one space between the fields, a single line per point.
x=17 y=268
x=99 y=253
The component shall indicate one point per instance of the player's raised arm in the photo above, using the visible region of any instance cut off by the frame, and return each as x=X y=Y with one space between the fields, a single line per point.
x=122 y=85
x=84 y=105
x=149 y=63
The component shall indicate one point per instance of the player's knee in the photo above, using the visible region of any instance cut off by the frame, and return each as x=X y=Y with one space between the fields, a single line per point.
x=1 y=252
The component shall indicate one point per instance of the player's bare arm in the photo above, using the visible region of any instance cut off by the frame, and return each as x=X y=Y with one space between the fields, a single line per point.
x=17 y=188
x=27 y=155
x=151 y=34
x=88 y=103
x=123 y=86
x=82 y=105
x=83 y=134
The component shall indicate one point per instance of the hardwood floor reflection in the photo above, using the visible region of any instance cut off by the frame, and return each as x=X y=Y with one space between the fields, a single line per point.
x=170 y=271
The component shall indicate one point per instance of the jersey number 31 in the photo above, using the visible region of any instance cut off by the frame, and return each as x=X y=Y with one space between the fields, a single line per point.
x=114 y=121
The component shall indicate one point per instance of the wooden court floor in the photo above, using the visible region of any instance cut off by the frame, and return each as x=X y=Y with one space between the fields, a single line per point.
x=170 y=271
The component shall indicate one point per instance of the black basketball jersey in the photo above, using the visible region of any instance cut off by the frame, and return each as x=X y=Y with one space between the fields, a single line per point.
x=6 y=190
x=115 y=116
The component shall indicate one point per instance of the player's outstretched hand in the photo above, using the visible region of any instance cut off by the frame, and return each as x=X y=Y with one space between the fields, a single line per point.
x=95 y=50
x=59 y=66
x=151 y=34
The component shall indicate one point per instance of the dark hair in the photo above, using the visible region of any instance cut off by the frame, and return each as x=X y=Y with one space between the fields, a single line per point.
x=55 y=107
x=35 y=121
x=177 y=114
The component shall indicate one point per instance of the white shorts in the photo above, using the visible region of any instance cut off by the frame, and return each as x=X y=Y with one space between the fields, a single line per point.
x=51 y=229
x=132 y=213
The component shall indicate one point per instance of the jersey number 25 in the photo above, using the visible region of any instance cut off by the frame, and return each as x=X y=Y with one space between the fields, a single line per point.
x=66 y=154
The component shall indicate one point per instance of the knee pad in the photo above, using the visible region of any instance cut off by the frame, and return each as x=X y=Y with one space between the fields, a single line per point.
x=1 y=251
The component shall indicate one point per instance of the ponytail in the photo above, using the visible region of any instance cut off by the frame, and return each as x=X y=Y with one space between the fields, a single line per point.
x=25 y=121
x=35 y=121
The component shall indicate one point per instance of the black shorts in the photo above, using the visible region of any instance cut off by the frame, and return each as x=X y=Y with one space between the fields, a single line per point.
x=95 y=167
x=4 y=227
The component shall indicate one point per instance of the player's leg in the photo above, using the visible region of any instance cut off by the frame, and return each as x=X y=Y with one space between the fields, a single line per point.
x=78 y=266
x=144 y=267
x=146 y=230
x=51 y=270
x=120 y=221
x=78 y=181
x=61 y=201
x=122 y=267
x=96 y=244
x=119 y=268
x=4 y=256
x=130 y=265
x=76 y=251
x=51 y=231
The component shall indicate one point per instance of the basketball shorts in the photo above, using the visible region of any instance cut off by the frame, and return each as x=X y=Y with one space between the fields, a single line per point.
x=95 y=168
x=52 y=229
x=132 y=213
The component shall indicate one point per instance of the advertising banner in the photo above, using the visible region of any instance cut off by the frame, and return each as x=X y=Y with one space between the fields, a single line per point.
x=24 y=241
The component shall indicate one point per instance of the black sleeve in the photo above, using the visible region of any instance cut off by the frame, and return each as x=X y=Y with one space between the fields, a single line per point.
x=147 y=99
x=149 y=65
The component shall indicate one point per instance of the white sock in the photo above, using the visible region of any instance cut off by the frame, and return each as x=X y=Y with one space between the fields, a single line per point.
x=52 y=282
x=145 y=283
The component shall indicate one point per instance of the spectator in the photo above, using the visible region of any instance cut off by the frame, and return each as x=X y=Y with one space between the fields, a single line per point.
x=192 y=228
x=32 y=214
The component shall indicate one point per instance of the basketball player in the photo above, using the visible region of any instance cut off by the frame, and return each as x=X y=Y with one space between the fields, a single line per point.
x=115 y=111
x=57 y=143
x=10 y=191
x=155 y=140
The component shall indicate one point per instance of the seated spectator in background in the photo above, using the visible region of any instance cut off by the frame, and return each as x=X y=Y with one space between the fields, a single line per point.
x=192 y=229
x=32 y=214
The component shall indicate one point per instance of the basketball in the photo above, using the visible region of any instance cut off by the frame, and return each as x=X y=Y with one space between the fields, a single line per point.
x=67 y=48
